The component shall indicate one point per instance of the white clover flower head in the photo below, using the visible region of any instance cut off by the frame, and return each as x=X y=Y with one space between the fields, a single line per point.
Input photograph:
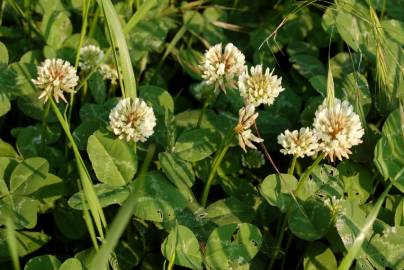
x=223 y=68
x=299 y=143
x=109 y=73
x=338 y=128
x=257 y=87
x=55 y=76
x=247 y=117
x=132 y=120
x=90 y=57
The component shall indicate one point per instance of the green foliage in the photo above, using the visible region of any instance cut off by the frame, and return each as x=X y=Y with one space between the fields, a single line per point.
x=114 y=160
x=232 y=245
x=182 y=242
x=62 y=168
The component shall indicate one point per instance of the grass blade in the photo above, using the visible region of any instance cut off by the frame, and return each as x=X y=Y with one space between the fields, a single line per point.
x=357 y=244
x=120 y=49
x=139 y=15
x=12 y=243
x=120 y=221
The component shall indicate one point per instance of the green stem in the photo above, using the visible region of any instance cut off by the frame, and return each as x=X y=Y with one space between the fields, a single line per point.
x=94 y=21
x=88 y=189
x=206 y=103
x=286 y=251
x=86 y=7
x=25 y=18
x=307 y=173
x=43 y=129
x=302 y=180
x=279 y=242
x=292 y=166
x=148 y=159
x=121 y=219
x=215 y=165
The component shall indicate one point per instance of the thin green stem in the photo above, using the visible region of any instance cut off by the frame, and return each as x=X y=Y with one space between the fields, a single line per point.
x=279 y=241
x=43 y=129
x=25 y=18
x=206 y=103
x=88 y=189
x=215 y=165
x=148 y=159
x=307 y=173
x=212 y=174
x=94 y=21
x=86 y=7
x=121 y=219
x=302 y=180
x=292 y=166
x=286 y=251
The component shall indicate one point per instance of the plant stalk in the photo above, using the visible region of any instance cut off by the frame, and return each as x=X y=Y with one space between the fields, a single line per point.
x=302 y=180
x=88 y=189
x=292 y=166
x=215 y=165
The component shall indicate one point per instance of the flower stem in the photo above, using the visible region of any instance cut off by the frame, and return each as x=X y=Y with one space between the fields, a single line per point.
x=292 y=166
x=43 y=129
x=215 y=165
x=206 y=103
x=302 y=180
x=264 y=148
x=86 y=8
x=307 y=173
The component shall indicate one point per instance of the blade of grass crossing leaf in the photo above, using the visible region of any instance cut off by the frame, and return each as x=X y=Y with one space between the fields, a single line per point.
x=120 y=48
x=118 y=225
x=357 y=244
x=129 y=26
x=139 y=15
x=12 y=243
x=88 y=190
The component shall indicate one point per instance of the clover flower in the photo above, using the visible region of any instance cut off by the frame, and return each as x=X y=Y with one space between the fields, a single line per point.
x=222 y=68
x=338 y=128
x=259 y=88
x=109 y=73
x=132 y=119
x=55 y=76
x=247 y=117
x=298 y=143
x=90 y=57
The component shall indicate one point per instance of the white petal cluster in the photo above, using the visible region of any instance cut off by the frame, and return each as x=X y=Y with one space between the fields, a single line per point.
x=132 y=120
x=247 y=117
x=298 y=143
x=257 y=87
x=90 y=57
x=55 y=76
x=338 y=129
x=223 y=68
x=109 y=73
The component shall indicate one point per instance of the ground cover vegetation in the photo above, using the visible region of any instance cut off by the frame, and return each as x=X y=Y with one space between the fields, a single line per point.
x=220 y=134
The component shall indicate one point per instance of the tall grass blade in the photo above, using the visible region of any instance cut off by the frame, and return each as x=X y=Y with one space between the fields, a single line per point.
x=88 y=189
x=120 y=49
x=357 y=244
x=12 y=243
x=120 y=221
x=139 y=15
